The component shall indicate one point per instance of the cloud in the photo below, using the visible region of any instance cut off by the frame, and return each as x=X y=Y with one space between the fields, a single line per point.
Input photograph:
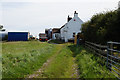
x=36 y=16
x=0 y=13
x=60 y=0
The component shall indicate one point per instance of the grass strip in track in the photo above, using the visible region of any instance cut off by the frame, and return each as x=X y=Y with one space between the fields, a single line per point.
x=61 y=66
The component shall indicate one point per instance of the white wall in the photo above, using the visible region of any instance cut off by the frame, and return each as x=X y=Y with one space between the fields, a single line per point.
x=71 y=27
x=53 y=36
x=56 y=36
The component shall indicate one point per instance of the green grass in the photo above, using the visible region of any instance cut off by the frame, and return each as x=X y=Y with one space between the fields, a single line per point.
x=61 y=66
x=56 y=41
x=89 y=64
x=23 y=58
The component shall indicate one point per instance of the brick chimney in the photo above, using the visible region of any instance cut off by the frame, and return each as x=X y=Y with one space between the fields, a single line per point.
x=69 y=18
x=75 y=14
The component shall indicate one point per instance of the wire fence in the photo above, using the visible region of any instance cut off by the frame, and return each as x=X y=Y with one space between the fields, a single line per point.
x=110 y=53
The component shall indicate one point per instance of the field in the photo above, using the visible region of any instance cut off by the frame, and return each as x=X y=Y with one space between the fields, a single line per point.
x=22 y=58
x=34 y=59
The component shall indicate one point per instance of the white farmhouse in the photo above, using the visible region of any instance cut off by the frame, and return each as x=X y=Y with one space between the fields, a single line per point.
x=71 y=28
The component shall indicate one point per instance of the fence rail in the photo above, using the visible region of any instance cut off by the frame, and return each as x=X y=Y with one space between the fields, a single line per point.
x=109 y=53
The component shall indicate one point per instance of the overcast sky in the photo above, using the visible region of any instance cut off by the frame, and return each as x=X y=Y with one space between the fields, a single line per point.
x=36 y=15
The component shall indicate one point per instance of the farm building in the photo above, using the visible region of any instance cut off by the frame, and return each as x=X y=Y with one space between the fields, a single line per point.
x=3 y=35
x=48 y=33
x=18 y=36
x=71 y=28
x=56 y=33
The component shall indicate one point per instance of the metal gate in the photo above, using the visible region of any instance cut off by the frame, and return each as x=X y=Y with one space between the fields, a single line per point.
x=113 y=58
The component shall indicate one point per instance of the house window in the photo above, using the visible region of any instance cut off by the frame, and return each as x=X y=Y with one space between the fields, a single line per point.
x=74 y=34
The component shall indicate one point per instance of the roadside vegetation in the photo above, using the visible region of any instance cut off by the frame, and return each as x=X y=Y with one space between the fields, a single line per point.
x=22 y=58
x=90 y=65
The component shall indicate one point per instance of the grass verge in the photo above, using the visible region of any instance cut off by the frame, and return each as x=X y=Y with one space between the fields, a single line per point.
x=89 y=66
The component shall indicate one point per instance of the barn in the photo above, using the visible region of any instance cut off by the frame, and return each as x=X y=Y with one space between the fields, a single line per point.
x=18 y=36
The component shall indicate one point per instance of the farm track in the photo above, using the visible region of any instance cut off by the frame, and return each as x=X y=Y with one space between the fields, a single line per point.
x=40 y=73
x=75 y=69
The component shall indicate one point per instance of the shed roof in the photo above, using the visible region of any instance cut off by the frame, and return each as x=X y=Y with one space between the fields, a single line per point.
x=18 y=31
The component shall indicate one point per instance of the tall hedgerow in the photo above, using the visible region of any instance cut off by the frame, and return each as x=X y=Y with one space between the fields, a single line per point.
x=103 y=27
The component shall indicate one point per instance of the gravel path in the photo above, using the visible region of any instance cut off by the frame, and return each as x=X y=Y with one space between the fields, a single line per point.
x=75 y=69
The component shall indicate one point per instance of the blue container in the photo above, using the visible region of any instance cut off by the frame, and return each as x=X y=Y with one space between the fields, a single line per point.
x=17 y=36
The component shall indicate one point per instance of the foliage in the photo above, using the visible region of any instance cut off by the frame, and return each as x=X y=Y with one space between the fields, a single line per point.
x=1 y=26
x=102 y=27
x=89 y=64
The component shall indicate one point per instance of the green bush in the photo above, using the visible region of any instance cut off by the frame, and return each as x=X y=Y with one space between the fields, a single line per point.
x=102 y=27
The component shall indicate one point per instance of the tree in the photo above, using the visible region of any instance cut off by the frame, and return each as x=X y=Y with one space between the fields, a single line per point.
x=1 y=28
x=102 y=27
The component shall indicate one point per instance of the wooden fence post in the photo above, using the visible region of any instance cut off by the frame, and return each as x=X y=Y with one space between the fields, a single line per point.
x=75 y=39
x=111 y=52
x=107 y=54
